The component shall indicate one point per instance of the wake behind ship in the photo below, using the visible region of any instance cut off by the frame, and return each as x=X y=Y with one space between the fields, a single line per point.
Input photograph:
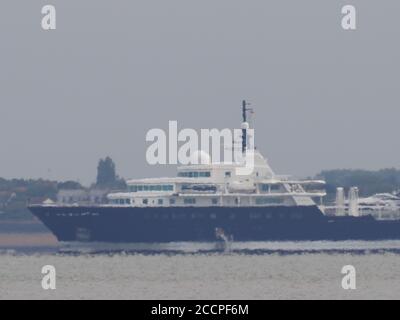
x=208 y=202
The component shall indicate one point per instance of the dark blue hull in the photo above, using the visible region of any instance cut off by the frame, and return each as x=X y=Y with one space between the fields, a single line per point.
x=169 y=224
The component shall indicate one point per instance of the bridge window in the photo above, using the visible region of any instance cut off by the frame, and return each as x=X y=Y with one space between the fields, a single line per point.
x=204 y=174
x=145 y=201
x=133 y=188
x=195 y=174
x=214 y=201
x=160 y=201
x=147 y=187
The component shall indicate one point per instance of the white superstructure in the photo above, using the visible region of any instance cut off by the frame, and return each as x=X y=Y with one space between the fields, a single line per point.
x=219 y=184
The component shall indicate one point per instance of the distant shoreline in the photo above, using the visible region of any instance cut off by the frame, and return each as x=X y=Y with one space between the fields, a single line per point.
x=22 y=226
x=26 y=240
x=18 y=233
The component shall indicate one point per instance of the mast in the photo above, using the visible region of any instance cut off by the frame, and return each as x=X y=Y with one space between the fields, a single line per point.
x=245 y=125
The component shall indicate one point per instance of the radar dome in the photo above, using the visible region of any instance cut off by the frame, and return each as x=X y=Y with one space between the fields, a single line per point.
x=200 y=157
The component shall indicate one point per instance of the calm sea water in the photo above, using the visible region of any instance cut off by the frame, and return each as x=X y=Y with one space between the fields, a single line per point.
x=291 y=270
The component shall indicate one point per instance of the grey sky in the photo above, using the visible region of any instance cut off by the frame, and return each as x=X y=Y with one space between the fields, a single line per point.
x=324 y=97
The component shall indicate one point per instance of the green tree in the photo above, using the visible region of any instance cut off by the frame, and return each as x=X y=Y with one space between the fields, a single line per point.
x=107 y=176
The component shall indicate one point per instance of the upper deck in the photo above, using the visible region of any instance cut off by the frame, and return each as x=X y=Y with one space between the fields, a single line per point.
x=219 y=185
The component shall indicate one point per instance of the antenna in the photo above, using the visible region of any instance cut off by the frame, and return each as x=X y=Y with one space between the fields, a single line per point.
x=245 y=125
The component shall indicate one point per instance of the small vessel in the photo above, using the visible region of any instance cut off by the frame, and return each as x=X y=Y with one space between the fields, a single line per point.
x=382 y=206
x=379 y=201
x=208 y=202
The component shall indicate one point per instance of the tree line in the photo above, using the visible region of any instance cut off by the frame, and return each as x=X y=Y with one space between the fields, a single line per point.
x=16 y=194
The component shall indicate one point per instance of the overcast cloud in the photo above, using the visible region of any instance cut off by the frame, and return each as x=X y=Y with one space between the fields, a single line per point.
x=324 y=97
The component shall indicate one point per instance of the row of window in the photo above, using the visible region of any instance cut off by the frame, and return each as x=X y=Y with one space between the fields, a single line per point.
x=199 y=187
x=170 y=187
x=151 y=187
x=195 y=174
x=121 y=201
x=144 y=201
x=159 y=201
x=191 y=201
